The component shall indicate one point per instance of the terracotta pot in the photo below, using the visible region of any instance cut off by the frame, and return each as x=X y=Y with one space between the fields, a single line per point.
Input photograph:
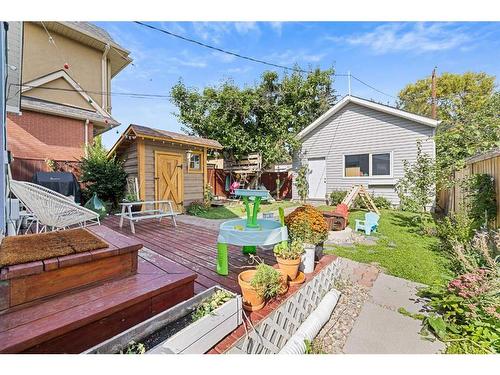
x=252 y=301
x=284 y=281
x=289 y=266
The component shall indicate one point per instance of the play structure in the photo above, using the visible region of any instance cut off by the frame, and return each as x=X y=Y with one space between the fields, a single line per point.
x=250 y=232
x=338 y=219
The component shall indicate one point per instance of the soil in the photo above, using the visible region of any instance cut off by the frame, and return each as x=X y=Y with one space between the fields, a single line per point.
x=169 y=330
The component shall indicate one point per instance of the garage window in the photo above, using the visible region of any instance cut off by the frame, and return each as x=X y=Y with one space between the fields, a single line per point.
x=368 y=165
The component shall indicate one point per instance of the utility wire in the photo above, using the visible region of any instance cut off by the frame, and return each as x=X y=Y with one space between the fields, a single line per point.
x=249 y=58
x=373 y=88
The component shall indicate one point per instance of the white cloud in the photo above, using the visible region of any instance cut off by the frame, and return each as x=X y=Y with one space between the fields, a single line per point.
x=290 y=57
x=211 y=31
x=413 y=37
x=277 y=27
x=246 y=27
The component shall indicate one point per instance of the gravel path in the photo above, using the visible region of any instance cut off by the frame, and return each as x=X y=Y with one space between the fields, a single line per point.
x=333 y=336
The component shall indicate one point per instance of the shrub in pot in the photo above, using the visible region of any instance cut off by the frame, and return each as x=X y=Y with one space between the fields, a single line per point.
x=259 y=285
x=131 y=197
x=308 y=225
x=288 y=256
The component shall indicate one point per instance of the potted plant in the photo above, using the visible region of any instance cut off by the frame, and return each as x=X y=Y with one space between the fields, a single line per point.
x=259 y=285
x=288 y=256
x=308 y=225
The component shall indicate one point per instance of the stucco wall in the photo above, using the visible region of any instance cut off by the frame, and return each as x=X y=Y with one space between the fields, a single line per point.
x=41 y=58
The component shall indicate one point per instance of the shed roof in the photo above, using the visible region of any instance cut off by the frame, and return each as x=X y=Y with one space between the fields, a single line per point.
x=165 y=135
x=368 y=104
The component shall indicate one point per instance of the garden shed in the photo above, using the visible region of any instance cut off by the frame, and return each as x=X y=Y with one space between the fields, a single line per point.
x=168 y=165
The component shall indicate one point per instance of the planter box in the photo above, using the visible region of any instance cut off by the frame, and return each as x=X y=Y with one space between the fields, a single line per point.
x=196 y=338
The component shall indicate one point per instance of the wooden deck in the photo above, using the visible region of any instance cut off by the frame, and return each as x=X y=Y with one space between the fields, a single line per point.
x=194 y=248
x=191 y=247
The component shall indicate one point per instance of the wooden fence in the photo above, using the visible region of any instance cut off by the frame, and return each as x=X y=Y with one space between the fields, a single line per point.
x=217 y=179
x=450 y=200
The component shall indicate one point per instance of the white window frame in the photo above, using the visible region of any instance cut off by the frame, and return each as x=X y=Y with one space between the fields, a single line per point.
x=370 y=175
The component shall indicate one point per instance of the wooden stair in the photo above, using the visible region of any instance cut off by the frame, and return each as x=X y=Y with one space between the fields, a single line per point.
x=74 y=320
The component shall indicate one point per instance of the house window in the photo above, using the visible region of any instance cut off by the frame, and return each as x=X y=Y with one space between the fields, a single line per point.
x=367 y=165
x=195 y=162
x=357 y=165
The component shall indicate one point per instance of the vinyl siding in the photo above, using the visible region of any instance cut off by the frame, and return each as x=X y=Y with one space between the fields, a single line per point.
x=356 y=129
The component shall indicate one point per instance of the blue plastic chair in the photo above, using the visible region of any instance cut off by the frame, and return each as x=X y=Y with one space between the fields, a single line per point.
x=370 y=223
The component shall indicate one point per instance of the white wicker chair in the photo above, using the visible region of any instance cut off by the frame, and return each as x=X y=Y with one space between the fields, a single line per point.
x=53 y=211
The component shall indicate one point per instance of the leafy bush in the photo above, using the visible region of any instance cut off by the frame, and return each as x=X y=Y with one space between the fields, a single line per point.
x=197 y=208
x=382 y=202
x=285 y=250
x=302 y=183
x=481 y=199
x=210 y=304
x=336 y=197
x=307 y=224
x=266 y=281
x=416 y=188
x=455 y=228
x=465 y=312
x=102 y=175
x=134 y=348
x=208 y=194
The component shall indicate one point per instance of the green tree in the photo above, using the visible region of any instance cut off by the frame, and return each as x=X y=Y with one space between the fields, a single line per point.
x=264 y=118
x=103 y=175
x=468 y=108
x=416 y=189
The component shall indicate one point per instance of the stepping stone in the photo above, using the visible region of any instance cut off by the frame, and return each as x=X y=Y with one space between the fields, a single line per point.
x=381 y=331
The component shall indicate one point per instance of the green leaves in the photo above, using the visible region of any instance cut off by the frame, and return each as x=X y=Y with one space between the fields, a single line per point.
x=468 y=107
x=262 y=118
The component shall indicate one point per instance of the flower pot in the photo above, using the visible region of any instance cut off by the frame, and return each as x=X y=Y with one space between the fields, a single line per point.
x=284 y=281
x=307 y=260
x=289 y=266
x=318 y=252
x=252 y=301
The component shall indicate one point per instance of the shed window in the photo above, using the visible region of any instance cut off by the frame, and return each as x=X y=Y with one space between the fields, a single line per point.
x=366 y=165
x=195 y=162
x=357 y=165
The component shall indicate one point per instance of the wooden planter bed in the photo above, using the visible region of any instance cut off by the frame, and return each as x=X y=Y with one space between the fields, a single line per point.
x=70 y=303
x=174 y=331
x=28 y=282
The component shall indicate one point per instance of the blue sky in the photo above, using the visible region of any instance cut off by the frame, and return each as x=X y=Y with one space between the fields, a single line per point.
x=385 y=55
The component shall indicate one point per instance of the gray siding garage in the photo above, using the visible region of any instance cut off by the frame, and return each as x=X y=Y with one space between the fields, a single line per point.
x=361 y=142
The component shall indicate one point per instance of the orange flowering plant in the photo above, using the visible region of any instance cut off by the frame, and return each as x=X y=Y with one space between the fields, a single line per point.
x=307 y=224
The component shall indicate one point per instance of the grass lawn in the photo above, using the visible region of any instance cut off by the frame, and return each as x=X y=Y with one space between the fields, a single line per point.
x=236 y=210
x=400 y=250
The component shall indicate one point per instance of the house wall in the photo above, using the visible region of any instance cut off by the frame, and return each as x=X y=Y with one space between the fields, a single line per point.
x=356 y=129
x=41 y=58
x=193 y=182
x=53 y=130
x=14 y=57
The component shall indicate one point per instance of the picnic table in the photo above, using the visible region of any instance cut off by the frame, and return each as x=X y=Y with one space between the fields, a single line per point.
x=162 y=208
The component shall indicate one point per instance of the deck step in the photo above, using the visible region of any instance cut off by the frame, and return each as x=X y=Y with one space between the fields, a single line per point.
x=76 y=321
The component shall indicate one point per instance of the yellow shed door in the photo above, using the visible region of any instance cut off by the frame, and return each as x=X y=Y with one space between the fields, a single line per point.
x=168 y=178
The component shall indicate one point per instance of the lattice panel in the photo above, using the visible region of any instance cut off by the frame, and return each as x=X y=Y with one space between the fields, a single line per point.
x=275 y=330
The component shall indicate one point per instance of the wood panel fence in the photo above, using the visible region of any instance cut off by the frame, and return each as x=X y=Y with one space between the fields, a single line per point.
x=450 y=200
x=217 y=179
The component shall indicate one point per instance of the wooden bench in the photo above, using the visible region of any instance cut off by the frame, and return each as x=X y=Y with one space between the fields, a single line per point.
x=163 y=209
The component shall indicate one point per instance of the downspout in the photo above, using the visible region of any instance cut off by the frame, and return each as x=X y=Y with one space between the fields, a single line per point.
x=86 y=136
x=104 y=77
x=312 y=325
